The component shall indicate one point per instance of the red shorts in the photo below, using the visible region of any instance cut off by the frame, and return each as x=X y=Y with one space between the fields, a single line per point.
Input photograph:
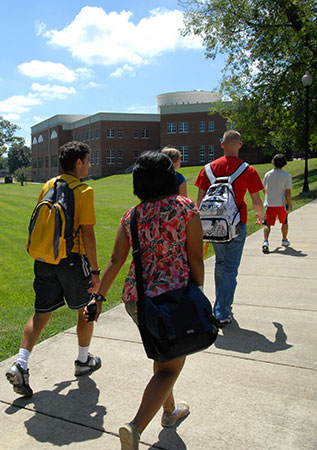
x=275 y=211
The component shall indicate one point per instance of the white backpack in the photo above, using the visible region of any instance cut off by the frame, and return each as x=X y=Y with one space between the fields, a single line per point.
x=219 y=212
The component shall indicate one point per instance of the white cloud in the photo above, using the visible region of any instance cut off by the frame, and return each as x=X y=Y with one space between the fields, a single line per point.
x=12 y=117
x=121 y=70
x=48 y=92
x=54 y=71
x=98 y=37
x=19 y=104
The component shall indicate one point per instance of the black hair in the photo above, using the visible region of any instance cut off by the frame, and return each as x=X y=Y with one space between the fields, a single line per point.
x=70 y=152
x=154 y=176
x=279 y=161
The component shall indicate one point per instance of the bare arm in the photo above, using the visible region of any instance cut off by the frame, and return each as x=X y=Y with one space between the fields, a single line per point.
x=89 y=240
x=200 y=196
x=258 y=206
x=288 y=198
x=183 y=189
x=119 y=255
x=194 y=236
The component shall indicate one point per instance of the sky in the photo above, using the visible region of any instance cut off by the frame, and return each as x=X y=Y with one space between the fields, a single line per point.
x=85 y=57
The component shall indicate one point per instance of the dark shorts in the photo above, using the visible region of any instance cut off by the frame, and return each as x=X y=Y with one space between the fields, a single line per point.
x=69 y=280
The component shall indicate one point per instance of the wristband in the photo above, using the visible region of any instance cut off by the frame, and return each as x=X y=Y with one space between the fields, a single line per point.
x=96 y=272
x=99 y=297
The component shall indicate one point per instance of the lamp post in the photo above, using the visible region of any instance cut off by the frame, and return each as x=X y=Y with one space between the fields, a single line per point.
x=307 y=81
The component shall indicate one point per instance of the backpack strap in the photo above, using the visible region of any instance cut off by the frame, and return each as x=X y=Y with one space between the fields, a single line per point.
x=239 y=171
x=209 y=173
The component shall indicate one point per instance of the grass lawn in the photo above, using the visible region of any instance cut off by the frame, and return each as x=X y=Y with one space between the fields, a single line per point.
x=113 y=195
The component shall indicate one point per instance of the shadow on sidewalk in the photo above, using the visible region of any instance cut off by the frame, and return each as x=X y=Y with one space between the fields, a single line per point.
x=288 y=251
x=169 y=439
x=241 y=340
x=77 y=407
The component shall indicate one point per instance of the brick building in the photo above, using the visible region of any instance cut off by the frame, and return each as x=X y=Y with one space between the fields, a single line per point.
x=117 y=139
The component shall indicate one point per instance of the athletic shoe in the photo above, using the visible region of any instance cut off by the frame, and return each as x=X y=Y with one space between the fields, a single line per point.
x=93 y=363
x=265 y=247
x=286 y=243
x=129 y=437
x=19 y=378
x=170 y=419
x=223 y=323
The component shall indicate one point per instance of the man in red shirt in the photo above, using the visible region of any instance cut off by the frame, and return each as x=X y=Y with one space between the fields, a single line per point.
x=228 y=254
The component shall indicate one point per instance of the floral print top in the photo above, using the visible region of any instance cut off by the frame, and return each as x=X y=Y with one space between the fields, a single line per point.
x=162 y=235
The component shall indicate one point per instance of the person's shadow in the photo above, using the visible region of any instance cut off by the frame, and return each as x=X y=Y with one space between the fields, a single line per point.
x=78 y=417
x=169 y=439
x=242 y=340
x=288 y=251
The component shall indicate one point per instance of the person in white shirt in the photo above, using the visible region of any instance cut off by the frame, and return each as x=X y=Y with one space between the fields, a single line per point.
x=278 y=201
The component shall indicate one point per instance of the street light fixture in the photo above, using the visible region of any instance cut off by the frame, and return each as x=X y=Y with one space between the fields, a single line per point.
x=307 y=81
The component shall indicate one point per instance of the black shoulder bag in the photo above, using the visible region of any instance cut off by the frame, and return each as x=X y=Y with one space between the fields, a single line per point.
x=175 y=323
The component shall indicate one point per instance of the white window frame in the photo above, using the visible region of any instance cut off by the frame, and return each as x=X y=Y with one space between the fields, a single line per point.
x=110 y=156
x=211 y=153
x=202 y=126
x=110 y=133
x=171 y=128
x=184 y=149
x=211 y=126
x=202 y=154
x=183 y=127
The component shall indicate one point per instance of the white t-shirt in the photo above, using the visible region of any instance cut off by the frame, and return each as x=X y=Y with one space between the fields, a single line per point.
x=275 y=182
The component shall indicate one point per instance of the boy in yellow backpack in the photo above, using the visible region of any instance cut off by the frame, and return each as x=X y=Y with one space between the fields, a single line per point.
x=72 y=280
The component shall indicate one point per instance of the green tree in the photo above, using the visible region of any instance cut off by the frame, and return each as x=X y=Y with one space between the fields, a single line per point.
x=269 y=45
x=7 y=133
x=22 y=174
x=19 y=155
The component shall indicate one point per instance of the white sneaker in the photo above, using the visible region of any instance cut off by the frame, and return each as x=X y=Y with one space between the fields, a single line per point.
x=265 y=247
x=286 y=243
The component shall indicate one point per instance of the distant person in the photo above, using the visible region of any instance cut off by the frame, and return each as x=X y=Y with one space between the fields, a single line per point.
x=73 y=279
x=170 y=236
x=228 y=254
x=175 y=155
x=278 y=200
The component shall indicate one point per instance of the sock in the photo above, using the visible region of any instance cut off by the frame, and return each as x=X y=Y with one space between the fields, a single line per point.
x=175 y=410
x=23 y=357
x=83 y=354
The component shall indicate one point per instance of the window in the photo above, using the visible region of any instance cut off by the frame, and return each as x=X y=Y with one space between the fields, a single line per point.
x=97 y=157
x=34 y=140
x=34 y=163
x=40 y=139
x=183 y=127
x=119 y=157
x=53 y=134
x=46 y=161
x=136 y=155
x=202 y=126
x=145 y=134
x=171 y=128
x=184 y=152
x=120 y=134
x=54 y=161
x=92 y=158
x=202 y=154
x=211 y=126
x=136 y=134
x=40 y=163
x=110 y=133
x=110 y=158
x=92 y=134
x=211 y=153
x=87 y=135
x=83 y=137
x=97 y=134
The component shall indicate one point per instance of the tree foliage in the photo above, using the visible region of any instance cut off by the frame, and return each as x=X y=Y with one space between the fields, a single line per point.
x=19 y=155
x=269 y=45
x=22 y=174
x=7 y=133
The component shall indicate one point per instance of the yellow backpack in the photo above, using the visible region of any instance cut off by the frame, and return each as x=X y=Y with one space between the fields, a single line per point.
x=51 y=228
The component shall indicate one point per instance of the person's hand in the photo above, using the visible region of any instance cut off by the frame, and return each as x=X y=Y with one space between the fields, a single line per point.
x=95 y=281
x=259 y=219
x=98 y=309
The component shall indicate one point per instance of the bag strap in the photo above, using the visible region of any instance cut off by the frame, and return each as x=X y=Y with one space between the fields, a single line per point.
x=138 y=265
x=228 y=179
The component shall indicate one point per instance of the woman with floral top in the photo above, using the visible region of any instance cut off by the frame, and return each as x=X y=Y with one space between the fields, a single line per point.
x=171 y=245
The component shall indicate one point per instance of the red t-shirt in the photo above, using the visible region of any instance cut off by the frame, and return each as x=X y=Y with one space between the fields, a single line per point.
x=249 y=180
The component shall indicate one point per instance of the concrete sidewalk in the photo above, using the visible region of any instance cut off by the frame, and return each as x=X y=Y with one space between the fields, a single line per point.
x=254 y=389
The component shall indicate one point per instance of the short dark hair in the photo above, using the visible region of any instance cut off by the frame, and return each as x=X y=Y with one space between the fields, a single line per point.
x=154 y=176
x=70 y=152
x=279 y=160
